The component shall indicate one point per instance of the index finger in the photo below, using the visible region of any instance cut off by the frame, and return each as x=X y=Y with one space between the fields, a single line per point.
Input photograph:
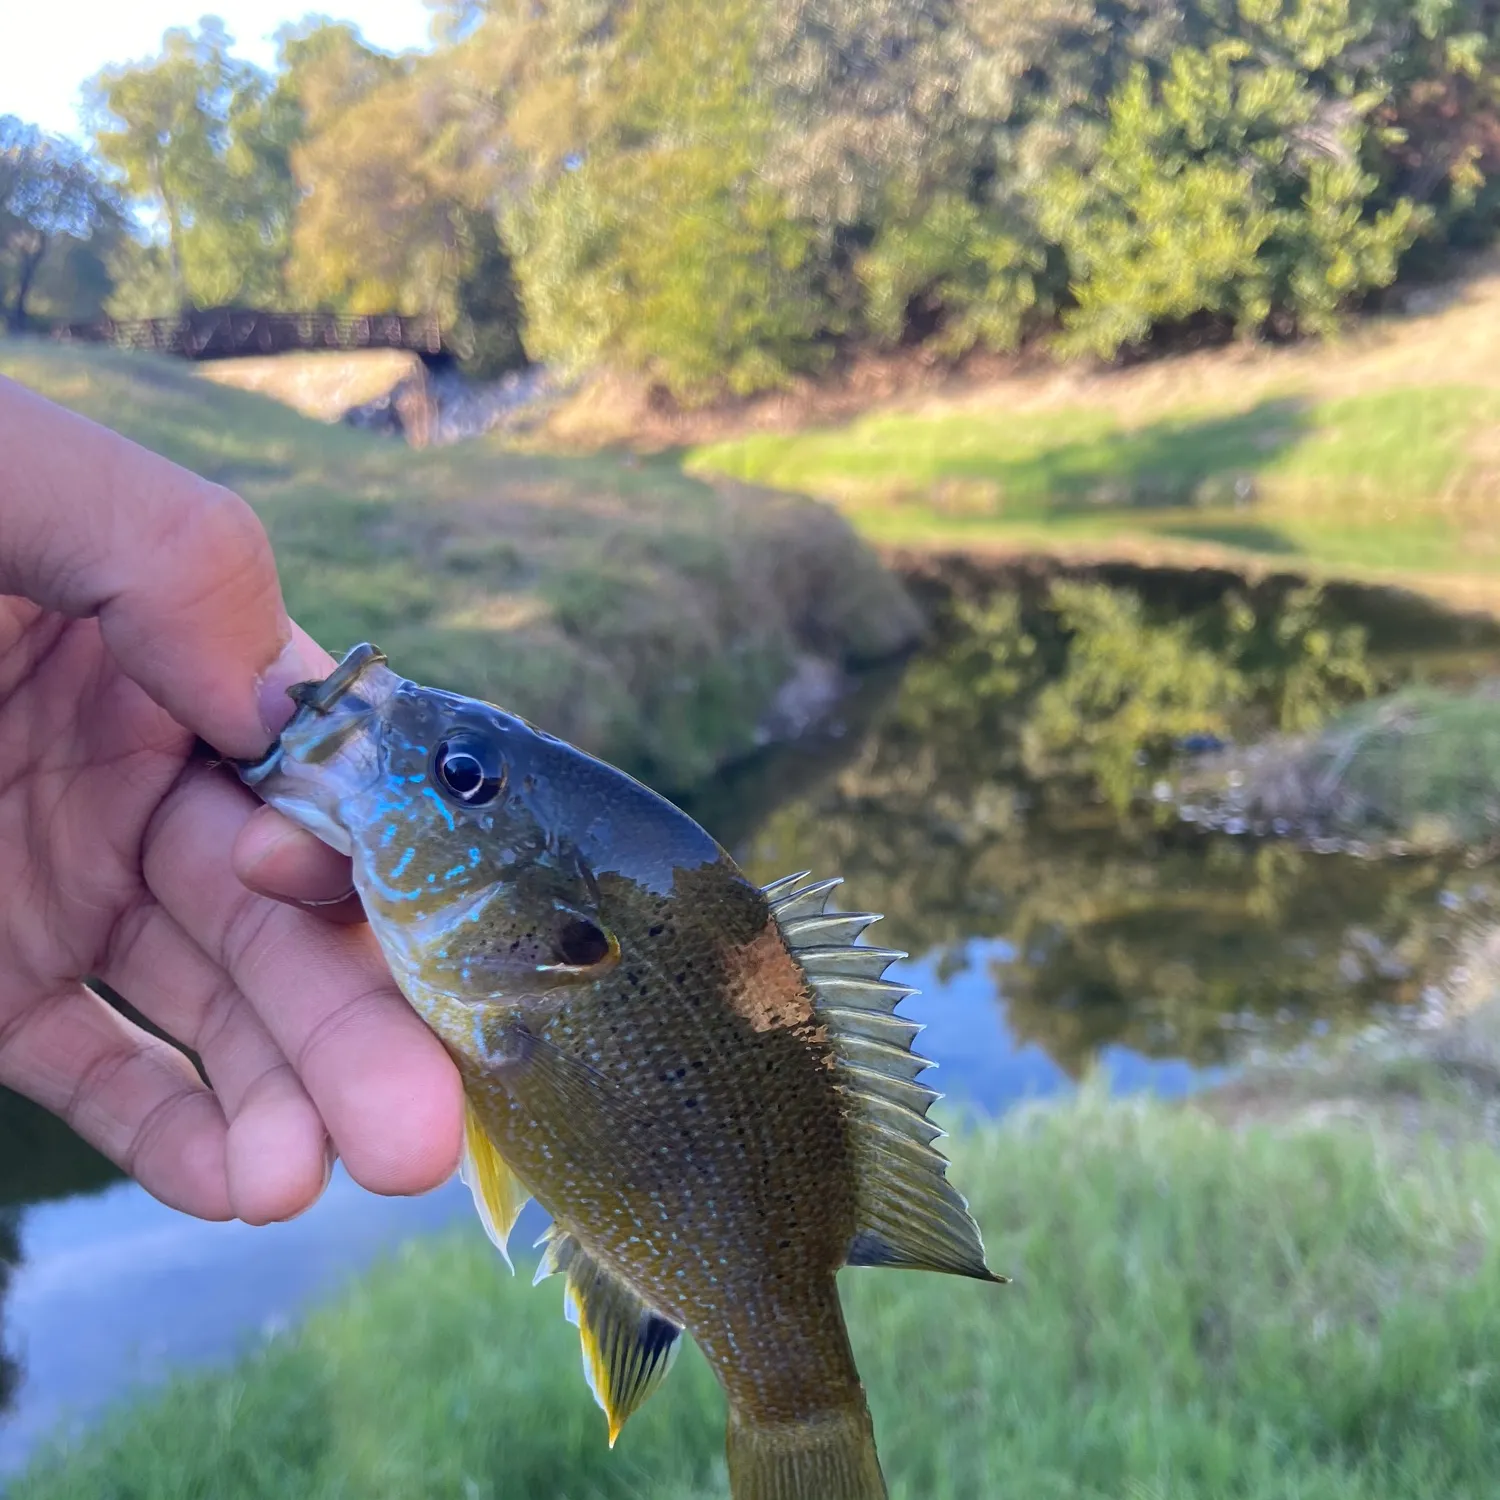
x=178 y=570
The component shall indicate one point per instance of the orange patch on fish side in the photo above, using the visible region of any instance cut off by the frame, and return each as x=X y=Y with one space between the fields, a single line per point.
x=769 y=988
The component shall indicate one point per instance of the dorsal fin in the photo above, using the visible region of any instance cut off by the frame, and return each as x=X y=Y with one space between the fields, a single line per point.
x=910 y=1214
x=628 y=1346
x=498 y=1193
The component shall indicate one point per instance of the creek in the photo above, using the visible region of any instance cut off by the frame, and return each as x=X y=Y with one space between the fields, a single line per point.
x=998 y=797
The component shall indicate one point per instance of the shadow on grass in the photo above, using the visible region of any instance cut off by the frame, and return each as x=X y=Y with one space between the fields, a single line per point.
x=1249 y=537
x=1172 y=462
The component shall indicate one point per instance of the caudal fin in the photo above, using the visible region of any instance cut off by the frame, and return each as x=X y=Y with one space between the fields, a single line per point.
x=828 y=1457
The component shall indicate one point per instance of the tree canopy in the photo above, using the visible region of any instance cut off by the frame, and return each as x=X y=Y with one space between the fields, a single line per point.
x=719 y=198
x=58 y=223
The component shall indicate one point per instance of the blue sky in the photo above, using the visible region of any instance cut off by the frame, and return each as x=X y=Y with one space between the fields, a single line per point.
x=47 y=51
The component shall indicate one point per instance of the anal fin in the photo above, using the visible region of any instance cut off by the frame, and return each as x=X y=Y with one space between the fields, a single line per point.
x=628 y=1346
x=498 y=1193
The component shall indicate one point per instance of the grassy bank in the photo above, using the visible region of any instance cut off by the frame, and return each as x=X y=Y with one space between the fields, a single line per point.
x=1307 y=1311
x=648 y=616
x=1416 y=772
x=1372 y=457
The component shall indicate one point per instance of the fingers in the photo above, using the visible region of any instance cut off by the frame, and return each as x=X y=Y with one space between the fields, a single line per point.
x=132 y=1096
x=277 y=1156
x=178 y=570
x=384 y=1086
x=275 y=858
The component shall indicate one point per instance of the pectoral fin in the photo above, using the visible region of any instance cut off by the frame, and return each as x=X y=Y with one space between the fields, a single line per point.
x=498 y=1193
x=628 y=1346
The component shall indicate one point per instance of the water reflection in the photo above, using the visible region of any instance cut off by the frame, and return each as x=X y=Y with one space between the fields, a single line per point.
x=1003 y=793
x=40 y=1159
x=10 y=1253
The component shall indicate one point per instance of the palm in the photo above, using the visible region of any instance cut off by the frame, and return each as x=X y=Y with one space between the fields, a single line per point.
x=87 y=759
x=117 y=849
x=139 y=607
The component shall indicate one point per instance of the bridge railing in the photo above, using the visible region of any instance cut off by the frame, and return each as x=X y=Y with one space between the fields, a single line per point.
x=223 y=333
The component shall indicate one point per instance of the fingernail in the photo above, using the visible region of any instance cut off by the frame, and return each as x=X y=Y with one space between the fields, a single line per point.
x=300 y=661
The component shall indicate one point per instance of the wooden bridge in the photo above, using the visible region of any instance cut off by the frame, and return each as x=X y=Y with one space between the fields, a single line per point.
x=225 y=333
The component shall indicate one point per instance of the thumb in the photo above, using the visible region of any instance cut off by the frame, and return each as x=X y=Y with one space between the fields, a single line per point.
x=178 y=571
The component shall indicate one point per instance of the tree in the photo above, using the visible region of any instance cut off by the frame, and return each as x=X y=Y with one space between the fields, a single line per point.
x=1225 y=188
x=397 y=199
x=201 y=141
x=649 y=236
x=51 y=203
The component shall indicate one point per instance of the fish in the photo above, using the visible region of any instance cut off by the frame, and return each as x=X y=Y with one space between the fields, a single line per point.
x=704 y=1082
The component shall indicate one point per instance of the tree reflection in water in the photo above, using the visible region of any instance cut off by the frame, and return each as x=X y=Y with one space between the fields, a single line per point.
x=1005 y=791
x=40 y=1159
x=10 y=1255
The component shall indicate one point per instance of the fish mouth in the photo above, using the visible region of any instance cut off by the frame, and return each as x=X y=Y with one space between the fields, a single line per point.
x=328 y=714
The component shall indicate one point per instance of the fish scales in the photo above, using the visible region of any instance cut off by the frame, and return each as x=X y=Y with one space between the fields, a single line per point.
x=702 y=1082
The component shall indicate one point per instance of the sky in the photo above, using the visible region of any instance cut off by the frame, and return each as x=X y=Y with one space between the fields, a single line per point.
x=48 y=50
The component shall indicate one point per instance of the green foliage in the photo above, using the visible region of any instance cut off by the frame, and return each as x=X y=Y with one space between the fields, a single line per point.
x=1207 y=198
x=1197 y=1311
x=397 y=207
x=659 y=246
x=1130 y=688
x=720 y=207
x=58 y=222
x=956 y=262
x=200 y=138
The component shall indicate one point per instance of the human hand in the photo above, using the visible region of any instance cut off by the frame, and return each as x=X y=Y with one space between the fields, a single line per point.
x=139 y=607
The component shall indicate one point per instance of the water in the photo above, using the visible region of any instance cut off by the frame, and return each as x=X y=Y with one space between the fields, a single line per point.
x=993 y=800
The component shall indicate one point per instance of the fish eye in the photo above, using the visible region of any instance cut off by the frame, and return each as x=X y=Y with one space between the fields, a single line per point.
x=581 y=944
x=468 y=768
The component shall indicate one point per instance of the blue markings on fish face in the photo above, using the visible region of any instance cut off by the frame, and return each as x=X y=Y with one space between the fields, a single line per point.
x=481 y=843
x=441 y=806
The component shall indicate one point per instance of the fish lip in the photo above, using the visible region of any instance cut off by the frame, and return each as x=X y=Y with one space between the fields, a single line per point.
x=320 y=696
x=314 y=699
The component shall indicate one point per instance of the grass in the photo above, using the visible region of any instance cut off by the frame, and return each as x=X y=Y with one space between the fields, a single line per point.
x=1296 y=1311
x=1374 y=457
x=645 y=615
x=1417 y=771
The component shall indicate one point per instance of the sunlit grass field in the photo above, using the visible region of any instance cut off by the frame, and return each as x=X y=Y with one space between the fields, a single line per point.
x=645 y=616
x=1199 y=1311
x=1378 y=455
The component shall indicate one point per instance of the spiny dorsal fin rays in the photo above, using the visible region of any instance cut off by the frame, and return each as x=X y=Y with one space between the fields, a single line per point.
x=809 y=901
x=628 y=1346
x=779 y=888
x=910 y=1214
x=498 y=1194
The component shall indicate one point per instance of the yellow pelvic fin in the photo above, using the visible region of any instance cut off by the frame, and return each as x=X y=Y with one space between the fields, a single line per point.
x=909 y=1213
x=628 y=1346
x=498 y=1193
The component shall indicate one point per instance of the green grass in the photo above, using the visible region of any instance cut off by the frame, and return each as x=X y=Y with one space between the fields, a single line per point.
x=1387 y=481
x=1418 y=771
x=643 y=614
x=1309 y=1312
